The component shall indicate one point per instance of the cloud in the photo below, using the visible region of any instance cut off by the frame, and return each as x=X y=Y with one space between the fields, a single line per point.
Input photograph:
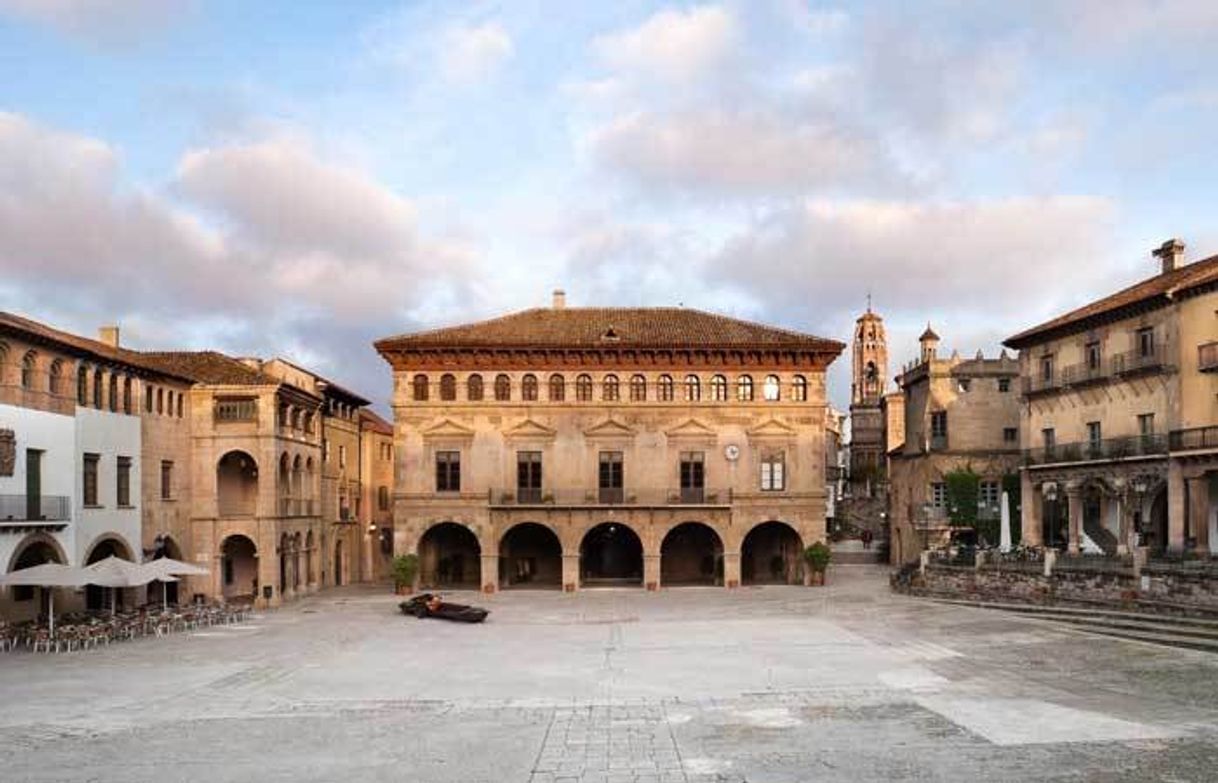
x=473 y=54
x=675 y=46
x=102 y=21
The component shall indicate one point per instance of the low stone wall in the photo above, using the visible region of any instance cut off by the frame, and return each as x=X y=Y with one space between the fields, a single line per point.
x=1161 y=590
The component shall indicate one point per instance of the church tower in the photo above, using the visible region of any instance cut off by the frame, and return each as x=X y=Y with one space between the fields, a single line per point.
x=867 y=457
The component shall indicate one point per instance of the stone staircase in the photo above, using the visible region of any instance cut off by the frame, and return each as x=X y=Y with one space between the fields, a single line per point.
x=851 y=552
x=1101 y=536
x=1193 y=633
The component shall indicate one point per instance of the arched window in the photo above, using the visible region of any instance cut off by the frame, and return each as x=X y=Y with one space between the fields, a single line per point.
x=744 y=388
x=503 y=388
x=97 y=389
x=638 y=388
x=56 y=376
x=718 y=388
x=448 y=387
x=180 y=407
x=528 y=388
x=610 y=389
x=664 y=388
x=148 y=400
x=82 y=386
x=799 y=389
x=27 y=370
x=583 y=388
x=772 y=388
x=113 y=393
x=160 y=402
x=127 y=395
x=420 y=388
x=693 y=388
x=308 y=421
x=473 y=388
x=558 y=388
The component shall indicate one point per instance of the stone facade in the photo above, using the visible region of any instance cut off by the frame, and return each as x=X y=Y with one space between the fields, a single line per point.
x=869 y=377
x=580 y=446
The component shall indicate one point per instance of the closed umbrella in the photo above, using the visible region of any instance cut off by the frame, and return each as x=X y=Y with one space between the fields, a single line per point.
x=50 y=575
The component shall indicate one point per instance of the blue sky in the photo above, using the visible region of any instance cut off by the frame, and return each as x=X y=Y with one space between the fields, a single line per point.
x=302 y=178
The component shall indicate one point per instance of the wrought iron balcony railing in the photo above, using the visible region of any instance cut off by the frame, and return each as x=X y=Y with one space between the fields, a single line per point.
x=1139 y=360
x=1096 y=451
x=35 y=508
x=610 y=497
x=1194 y=438
x=1107 y=367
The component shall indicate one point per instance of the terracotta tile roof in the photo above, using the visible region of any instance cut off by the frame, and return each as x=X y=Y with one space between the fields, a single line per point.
x=374 y=422
x=605 y=327
x=208 y=367
x=1155 y=290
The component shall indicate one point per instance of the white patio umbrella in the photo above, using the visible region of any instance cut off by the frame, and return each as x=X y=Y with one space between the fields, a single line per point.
x=49 y=575
x=115 y=572
x=165 y=570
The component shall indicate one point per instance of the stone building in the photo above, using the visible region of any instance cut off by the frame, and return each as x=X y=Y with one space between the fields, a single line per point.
x=587 y=446
x=959 y=414
x=869 y=377
x=1120 y=416
x=376 y=486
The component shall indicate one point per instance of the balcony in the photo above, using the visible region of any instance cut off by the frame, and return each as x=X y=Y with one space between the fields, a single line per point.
x=1194 y=439
x=1079 y=375
x=684 y=496
x=28 y=509
x=1207 y=357
x=1108 y=449
x=232 y=410
x=1138 y=361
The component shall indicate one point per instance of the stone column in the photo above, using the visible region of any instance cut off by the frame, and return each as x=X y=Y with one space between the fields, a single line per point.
x=490 y=573
x=1176 y=510
x=1074 y=500
x=1031 y=526
x=731 y=569
x=570 y=572
x=1124 y=522
x=1199 y=511
x=651 y=570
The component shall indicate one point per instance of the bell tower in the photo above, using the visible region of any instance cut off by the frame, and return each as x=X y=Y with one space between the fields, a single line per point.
x=870 y=358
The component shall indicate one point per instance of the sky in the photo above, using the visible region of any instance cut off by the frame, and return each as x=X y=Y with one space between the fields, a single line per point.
x=302 y=178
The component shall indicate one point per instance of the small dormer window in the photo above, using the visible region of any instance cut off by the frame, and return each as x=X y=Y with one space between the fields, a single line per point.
x=610 y=334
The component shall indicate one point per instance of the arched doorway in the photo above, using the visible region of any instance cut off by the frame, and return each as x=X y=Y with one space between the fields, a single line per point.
x=95 y=596
x=236 y=485
x=772 y=553
x=338 y=562
x=285 y=544
x=296 y=547
x=35 y=550
x=165 y=546
x=611 y=554
x=530 y=555
x=691 y=554
x=449 y=556
x=1154 y=529
x=309 y=558
x=239 y=565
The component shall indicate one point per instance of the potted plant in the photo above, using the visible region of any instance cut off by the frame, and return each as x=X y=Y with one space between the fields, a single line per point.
x=405 y=569
x=817 y=558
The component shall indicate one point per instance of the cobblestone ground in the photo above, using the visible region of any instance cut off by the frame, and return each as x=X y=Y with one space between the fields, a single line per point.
x=846 y=682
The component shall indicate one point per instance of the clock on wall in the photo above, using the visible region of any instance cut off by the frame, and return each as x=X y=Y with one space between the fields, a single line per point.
x=732 y=452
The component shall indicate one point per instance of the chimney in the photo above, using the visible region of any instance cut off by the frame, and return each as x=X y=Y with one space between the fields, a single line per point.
x=560 y=299
x=1171 y=253
x=108 y=335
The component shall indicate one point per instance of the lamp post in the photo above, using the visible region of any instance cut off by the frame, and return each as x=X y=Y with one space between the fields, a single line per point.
x=1050 y=492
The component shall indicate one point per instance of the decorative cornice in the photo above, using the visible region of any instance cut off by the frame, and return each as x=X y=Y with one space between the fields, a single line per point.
x=674 y=359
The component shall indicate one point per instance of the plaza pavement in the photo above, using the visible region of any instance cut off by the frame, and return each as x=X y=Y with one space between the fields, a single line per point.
x=773 y=684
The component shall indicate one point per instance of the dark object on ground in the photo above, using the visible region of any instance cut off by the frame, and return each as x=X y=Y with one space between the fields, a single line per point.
x=426 y=605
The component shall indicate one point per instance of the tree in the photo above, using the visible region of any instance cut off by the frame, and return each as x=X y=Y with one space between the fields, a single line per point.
x=963 y=491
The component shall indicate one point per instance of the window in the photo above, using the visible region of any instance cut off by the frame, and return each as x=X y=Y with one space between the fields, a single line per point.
x=693 y=388
x=180 y=409
x=1004 y=385
x=938 y=426
x=1146 y=342
x=1146 y=425
x=122 y=484
x=583 y=388
x=473 y=388
x=744 y=388
x=1093 y=355
x=503 y=388
x=420 y=388
x=989 y=494
x=1046 y=368
x=230 y=408
x=773 y=472
x=638 y=388
x=938 y=495
x=528 y=388
x=963 y=385
x=1094 y=436
x=1010 y=434
x=609 y=388
x=160 y=401
x=448 y=471
x=799 y=389
x=113 y=393
x=127 y=394
x=772 y=389
x=609 y=477
x=82 y=386
x=448 y=387
x=528 y=476
x=382 y=498
x=89 y=487
x=1049 y=438
x=342 y=456
x=166 y=480
x=693 y=474
x=558 y=388
x=148 y=399
x=27 y=370
x=325 y=449
x=718 y=388
x=97 y=389
x=664 y=388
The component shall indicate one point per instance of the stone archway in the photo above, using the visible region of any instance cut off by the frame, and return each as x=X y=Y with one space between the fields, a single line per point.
x=35 y=549
x=691 y=554
x=450 y=556
x=236 y=485
x=530 y=555
x=611 y=554
x=772 y=553
x=106 y=546
x=1154 y=528
x=239 y=568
